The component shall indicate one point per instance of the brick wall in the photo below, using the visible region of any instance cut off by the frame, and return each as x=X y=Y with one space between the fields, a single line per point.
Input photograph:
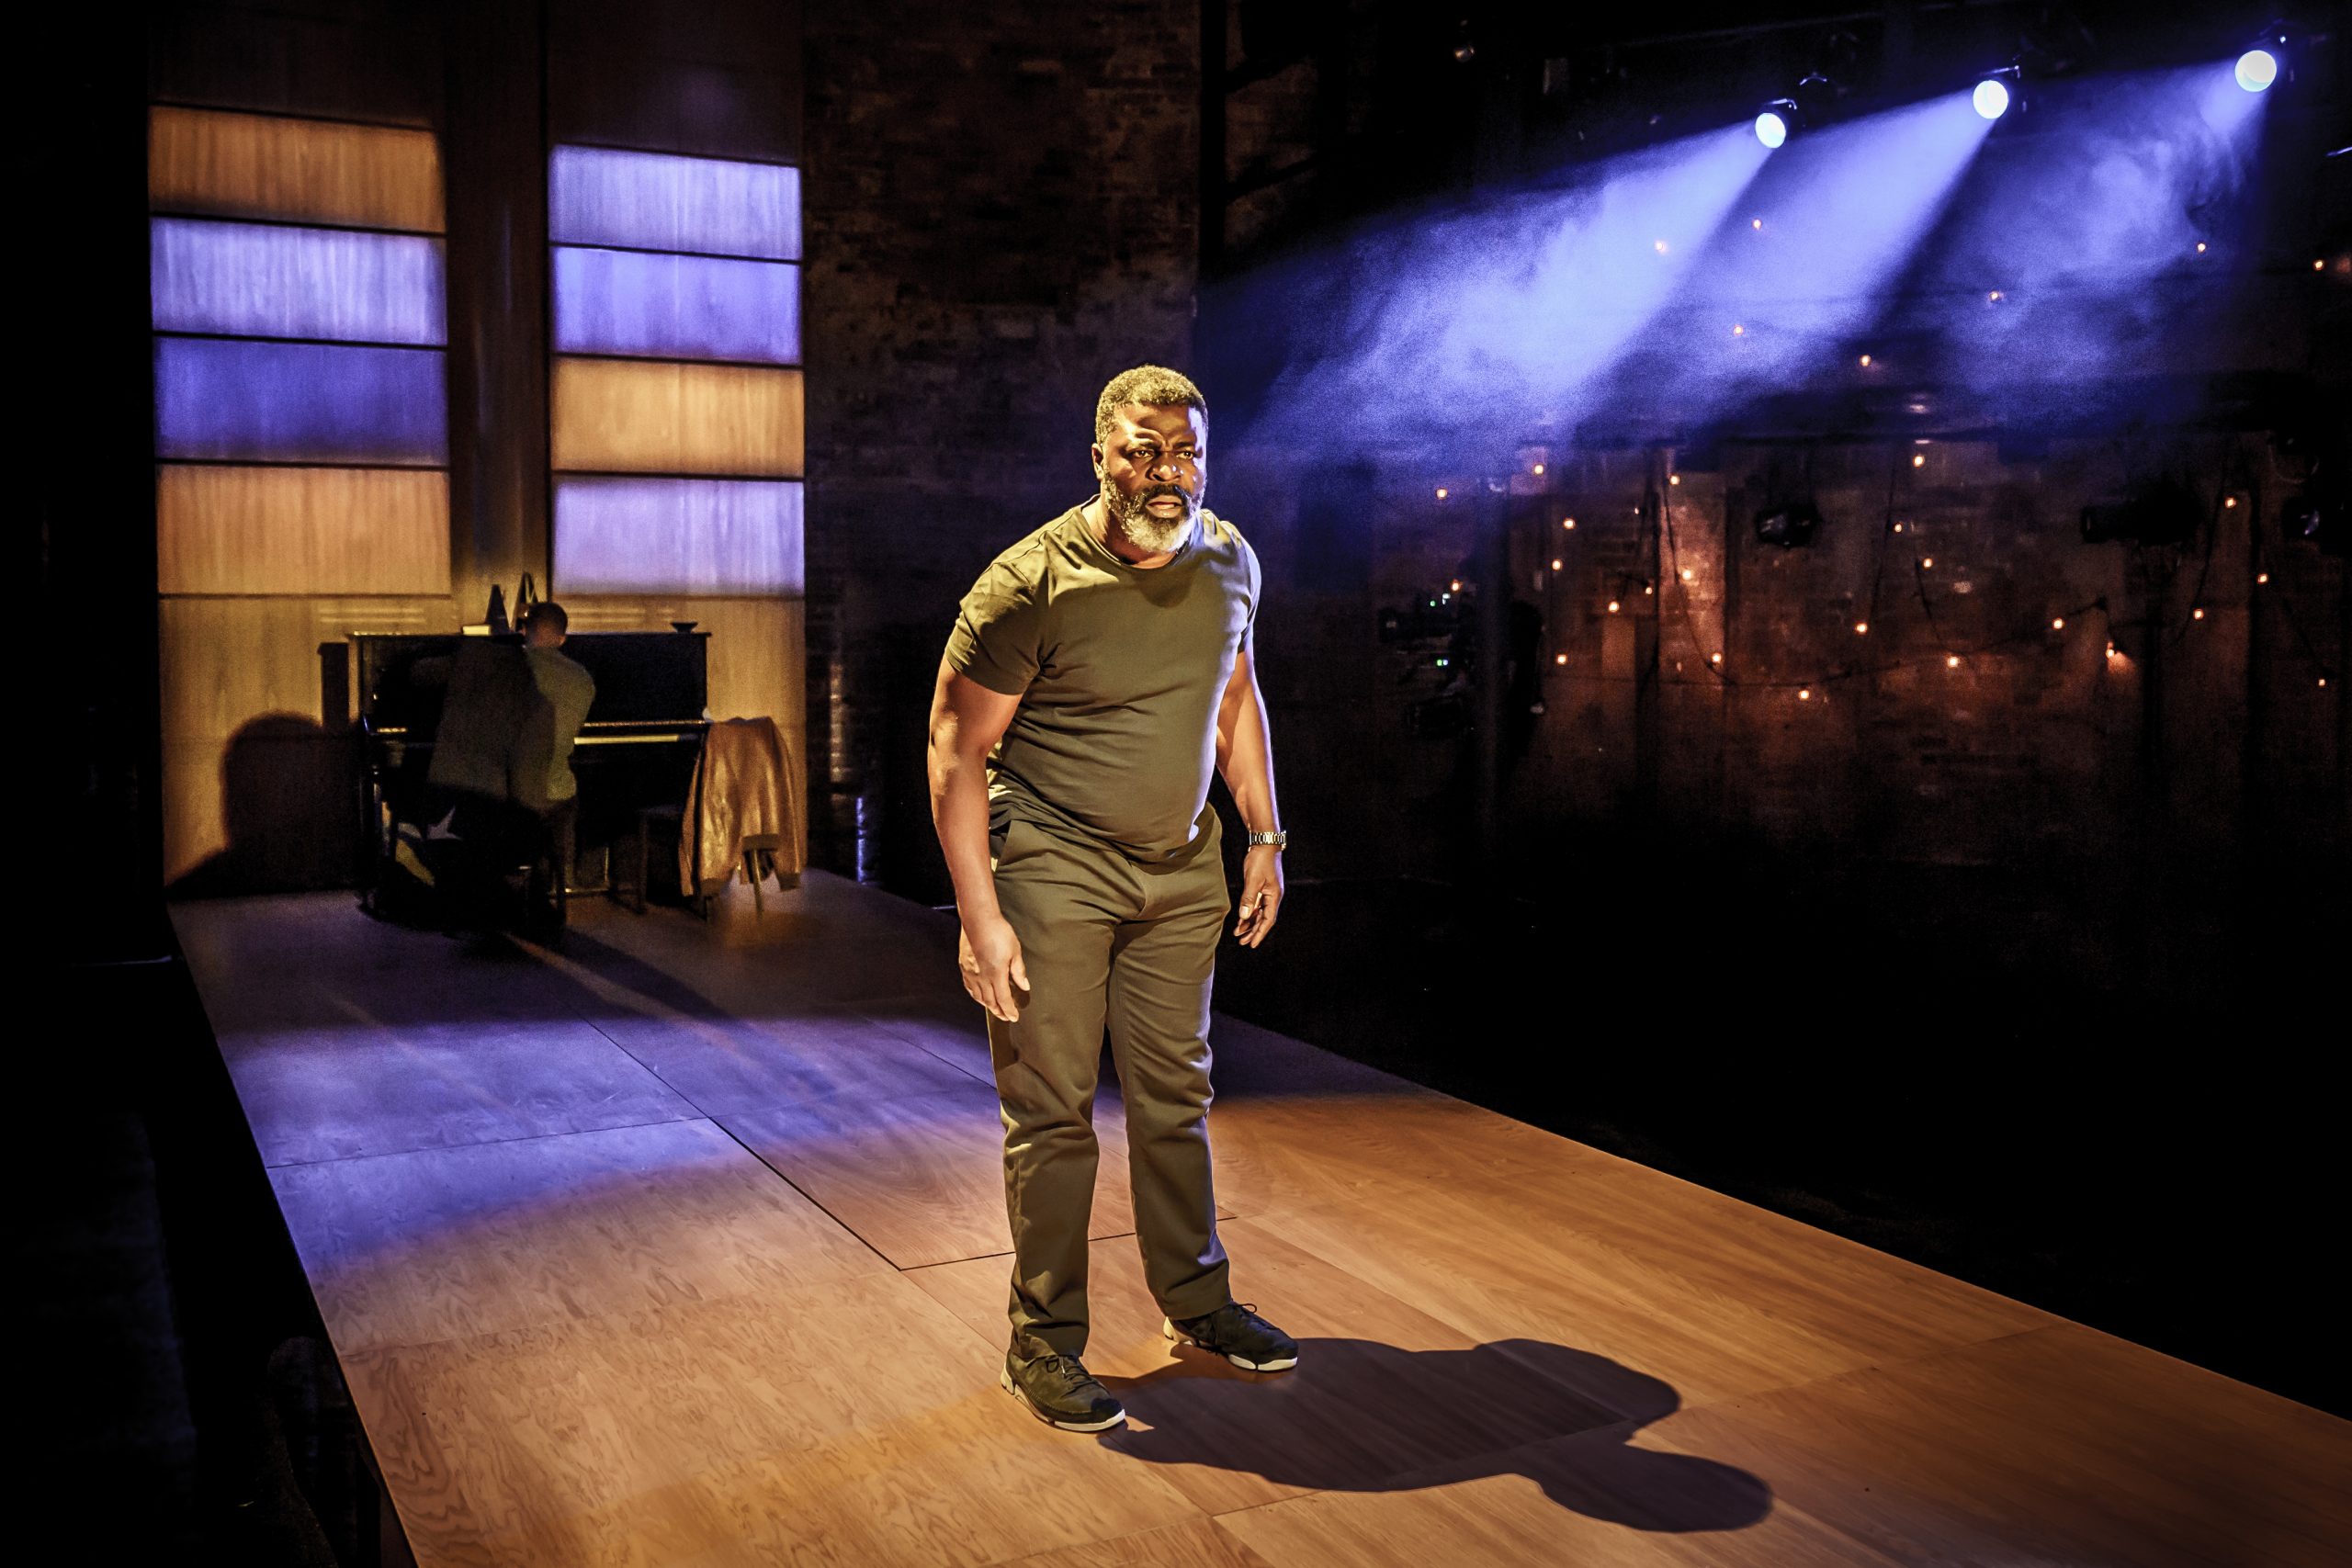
x=2041 y=802
x=1002 y=214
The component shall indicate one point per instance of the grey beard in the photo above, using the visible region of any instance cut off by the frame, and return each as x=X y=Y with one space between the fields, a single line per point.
x=1144 y=530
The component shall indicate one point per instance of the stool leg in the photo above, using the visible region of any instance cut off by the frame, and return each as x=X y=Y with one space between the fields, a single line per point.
x=751 y=875
x=644 y=832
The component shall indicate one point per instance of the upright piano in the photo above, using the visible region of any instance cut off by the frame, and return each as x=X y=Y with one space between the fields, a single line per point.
x=637 y=749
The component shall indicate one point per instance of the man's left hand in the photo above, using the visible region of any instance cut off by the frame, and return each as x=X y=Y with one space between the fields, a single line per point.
x=1261 y=894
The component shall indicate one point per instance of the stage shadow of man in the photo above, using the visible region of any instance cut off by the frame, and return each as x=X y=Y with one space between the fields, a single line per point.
x=1363 y=1416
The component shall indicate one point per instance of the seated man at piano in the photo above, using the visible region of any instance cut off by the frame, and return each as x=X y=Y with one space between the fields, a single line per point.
x=565 y=682
x=501 y=759
x=473 y=737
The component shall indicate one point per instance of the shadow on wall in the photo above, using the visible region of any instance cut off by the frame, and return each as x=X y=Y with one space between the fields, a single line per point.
x=1562 y=1417
x=287 y=798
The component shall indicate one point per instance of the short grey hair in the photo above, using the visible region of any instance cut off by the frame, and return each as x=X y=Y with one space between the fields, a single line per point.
x=1153 y=385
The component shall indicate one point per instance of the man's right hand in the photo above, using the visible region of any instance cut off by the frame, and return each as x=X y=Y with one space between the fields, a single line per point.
x=989 y=956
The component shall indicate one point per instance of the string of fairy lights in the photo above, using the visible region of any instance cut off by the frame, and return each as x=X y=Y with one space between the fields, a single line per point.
x=1899 y=536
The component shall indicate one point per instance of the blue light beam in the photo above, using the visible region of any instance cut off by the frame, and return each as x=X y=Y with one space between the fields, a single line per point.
x=1842 y=213
x=1501 y=317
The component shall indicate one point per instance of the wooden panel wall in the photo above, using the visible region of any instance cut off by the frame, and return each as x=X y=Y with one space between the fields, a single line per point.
x=228 y=529
x=622 y=416
x=718 y=538
x=260 y=766
x=652 y=201
x=280 y=280
x=244 y=166
x=676 y=307
x=261 y=566
x=260 y=554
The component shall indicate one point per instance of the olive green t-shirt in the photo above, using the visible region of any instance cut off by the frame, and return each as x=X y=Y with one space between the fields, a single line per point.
x=1120 y=672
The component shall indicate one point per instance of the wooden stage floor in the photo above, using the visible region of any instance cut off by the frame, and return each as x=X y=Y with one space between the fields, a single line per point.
x=687 y=1244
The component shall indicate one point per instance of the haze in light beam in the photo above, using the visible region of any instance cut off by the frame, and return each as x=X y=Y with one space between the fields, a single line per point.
x=1843 y=212
x=2091 y=230
x=1499 y=319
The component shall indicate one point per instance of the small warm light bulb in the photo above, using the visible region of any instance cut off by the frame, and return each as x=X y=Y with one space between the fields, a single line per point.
x=1866 y=361
x=1804 y=693
x=1739 y=331
x=1559 y=659
x=1613 y=607
x=1952 y=661
x=2110 y=651
x=1674 y=478
x=1539 y=467
x=1555 y=565
x=1647 y=587
x=2201 y=247
x=1440 y=492
x=1758 y=223
x=2261 y=577
x=1993 y=297
x=1928 y=563
x=1714 y=658
x=1862 y=628
x=2057 y=623
x=1455 y=586
x=2198 y=614
x=1659 y=246
x=1918 y=459
x=1688 y=574
x=1568 y=522
x=1898 y=527
x=2229 y=501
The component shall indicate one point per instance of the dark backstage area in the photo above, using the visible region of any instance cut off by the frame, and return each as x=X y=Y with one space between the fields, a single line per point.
x=686 y=640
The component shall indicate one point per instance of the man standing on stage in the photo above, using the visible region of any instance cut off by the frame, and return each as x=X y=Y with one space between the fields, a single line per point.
x=1096 y=671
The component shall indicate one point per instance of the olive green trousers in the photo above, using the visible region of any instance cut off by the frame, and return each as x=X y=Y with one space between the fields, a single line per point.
x=1109 y=943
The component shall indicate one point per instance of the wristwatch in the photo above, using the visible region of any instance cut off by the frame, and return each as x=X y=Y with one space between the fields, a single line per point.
x=1279 y=838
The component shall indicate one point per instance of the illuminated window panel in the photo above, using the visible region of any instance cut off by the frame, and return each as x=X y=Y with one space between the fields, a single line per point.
x=677 y=537
x=297 y=402
x=244 y=165
x=263 y=280
x=224 y=528
x=624 y=416
x=654 y=201
x=676 y=307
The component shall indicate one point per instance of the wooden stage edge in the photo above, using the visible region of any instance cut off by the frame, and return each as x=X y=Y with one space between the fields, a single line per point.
x=686 y=1243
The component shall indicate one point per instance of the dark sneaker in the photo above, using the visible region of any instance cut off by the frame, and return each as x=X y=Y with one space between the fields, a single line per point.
x=1060 y=1392
x=1239 y=1335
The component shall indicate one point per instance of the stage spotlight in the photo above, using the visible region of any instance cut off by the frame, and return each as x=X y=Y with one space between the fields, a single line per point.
x=1773 y=125
x=1998 y=92
x=1788 y=526
x=2258 y=68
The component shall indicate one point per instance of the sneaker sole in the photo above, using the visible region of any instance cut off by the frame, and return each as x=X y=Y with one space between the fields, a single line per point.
x=1004 y=1381
x=1168 y=1326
